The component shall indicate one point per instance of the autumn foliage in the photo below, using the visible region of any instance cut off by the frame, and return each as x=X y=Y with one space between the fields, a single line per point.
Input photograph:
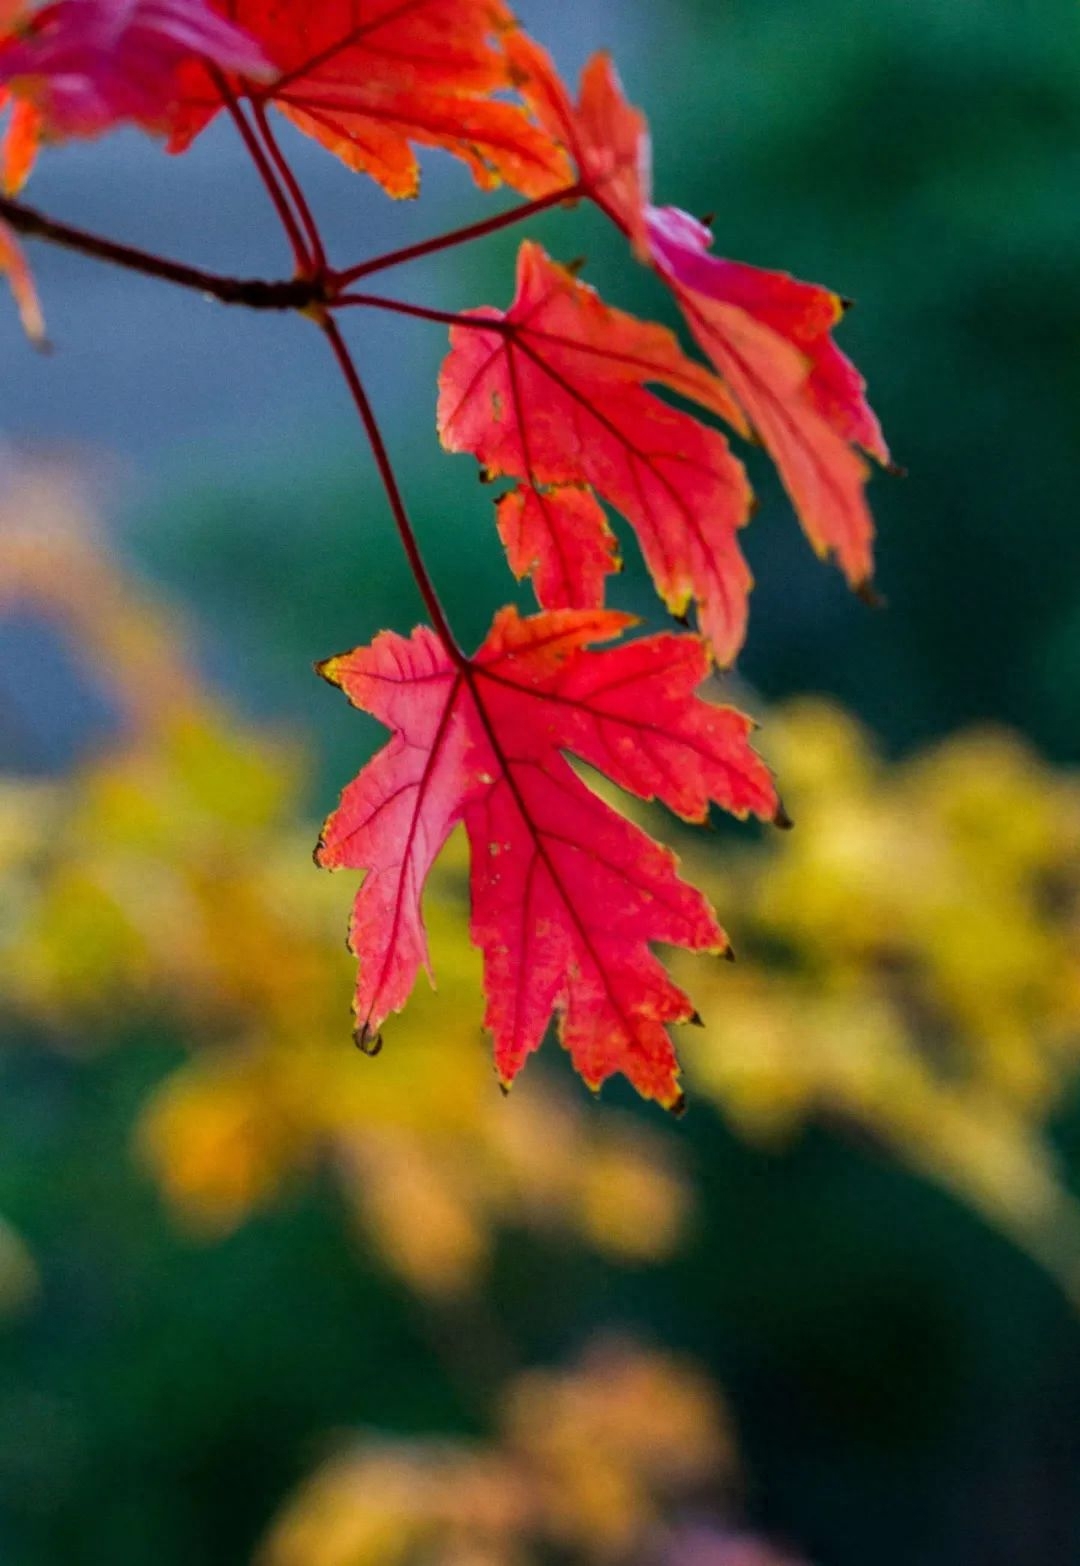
x=562 y=394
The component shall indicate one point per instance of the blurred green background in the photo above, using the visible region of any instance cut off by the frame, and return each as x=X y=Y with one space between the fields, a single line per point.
x=904 y=1379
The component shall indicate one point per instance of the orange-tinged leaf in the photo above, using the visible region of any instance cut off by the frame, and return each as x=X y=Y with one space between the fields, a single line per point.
x=607 y=139
x=567 y=895
x=19 y=149
x=14 y=266
x=553 y=393
x=371 y=78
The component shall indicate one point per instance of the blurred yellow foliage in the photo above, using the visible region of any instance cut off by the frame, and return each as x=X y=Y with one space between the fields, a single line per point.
x=912 y=964
x=588 y=1461
x=608 y=1441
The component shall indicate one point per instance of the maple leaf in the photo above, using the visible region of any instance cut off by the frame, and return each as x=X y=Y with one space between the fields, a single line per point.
x=567 y=894
x=767 y=333
x=367 y=78
x=552 y=392
x=804 y=314
x=768 y=336
x=77 y=68
x=607 y=139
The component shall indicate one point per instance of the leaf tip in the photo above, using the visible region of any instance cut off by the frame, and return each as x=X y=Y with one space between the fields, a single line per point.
x=867 y=593
x=729 y=953
x=696 y=1020
x=677 y=1107
x=327 y=669
x=368 y=1040
x=781 y=819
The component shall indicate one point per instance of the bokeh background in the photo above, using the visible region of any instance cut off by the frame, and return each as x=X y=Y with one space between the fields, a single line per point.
x=266 y=1299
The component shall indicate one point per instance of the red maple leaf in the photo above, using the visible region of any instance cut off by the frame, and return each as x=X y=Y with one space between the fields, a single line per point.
x=367 y=78
x=553 y=393
x=768 y=334
x=567 y=895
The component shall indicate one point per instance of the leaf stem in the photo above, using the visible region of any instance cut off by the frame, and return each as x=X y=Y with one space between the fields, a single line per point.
x=458 y=236
x=296 y=293
x=292 y=187
x=420 y=312
x=393 y=493
x=266 y=172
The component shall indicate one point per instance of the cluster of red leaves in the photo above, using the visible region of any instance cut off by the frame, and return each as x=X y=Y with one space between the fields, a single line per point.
x=557 y=394
x=767 y=335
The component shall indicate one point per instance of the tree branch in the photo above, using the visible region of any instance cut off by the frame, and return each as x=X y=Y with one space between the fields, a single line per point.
x=254 y=293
